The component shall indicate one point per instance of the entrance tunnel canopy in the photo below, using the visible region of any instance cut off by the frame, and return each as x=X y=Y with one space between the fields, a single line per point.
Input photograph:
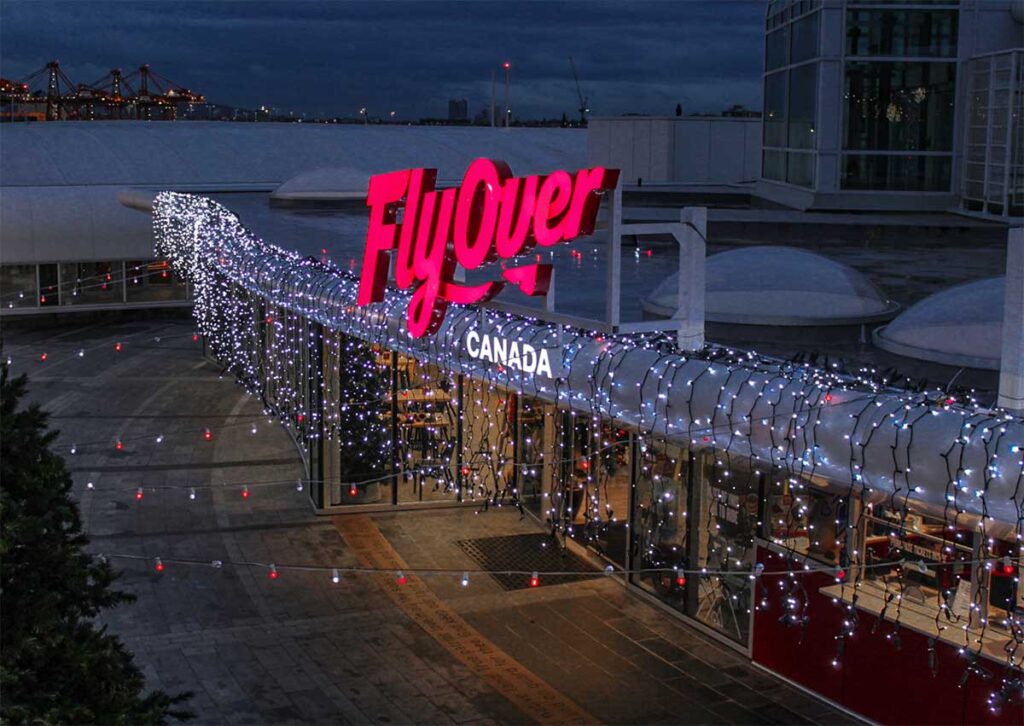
x=837 y=430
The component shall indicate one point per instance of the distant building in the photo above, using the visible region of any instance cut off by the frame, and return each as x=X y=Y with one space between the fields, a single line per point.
x=740 y=111
x=894 y=107
x=677 y=149
x=458 y=110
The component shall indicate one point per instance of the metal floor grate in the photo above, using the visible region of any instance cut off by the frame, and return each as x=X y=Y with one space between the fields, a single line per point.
x=529 y=553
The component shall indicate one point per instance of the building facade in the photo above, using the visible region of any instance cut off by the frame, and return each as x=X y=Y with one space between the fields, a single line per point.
x=862 y=541
x=894 y=105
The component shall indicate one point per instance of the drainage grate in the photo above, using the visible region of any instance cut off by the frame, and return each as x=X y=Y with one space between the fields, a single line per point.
x=529 y=553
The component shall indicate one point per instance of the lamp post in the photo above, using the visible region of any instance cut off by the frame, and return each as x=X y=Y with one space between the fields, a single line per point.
x=508 y=70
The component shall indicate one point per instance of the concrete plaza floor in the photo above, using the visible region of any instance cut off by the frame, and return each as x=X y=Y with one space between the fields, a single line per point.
x=300 y=648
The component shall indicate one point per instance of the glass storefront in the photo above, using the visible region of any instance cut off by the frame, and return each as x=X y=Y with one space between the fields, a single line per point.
x=383 y=428
x=105 y=283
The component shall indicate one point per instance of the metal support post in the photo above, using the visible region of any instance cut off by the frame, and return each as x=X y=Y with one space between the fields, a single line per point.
x=614 y=288
x=690 y=303
x=1011 y=372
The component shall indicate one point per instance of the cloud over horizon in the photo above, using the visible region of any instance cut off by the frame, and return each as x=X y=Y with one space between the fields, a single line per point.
x=410 y=57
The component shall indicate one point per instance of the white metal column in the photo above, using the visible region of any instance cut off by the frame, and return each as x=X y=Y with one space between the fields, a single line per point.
x=1011 y=372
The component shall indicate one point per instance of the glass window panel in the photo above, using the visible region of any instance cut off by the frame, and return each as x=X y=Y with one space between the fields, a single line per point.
x=775 y=109
x=536 y=437
x=805 y=39
x=153 y=281
x=1006 y=585
x=806 y=520
x=358 y=451
x=942 y=561
x=800 y=168
x=91 y=283
x=488 y=442
x=777 y=48
x=18 y=286
x=896 y=106
x=724 y=531
x=49 y=293
x=774 y=165
x=803 y=96
x=909 y=33
x=428 y=421
x=897 y=172
x=591 y=499
x=659 y=526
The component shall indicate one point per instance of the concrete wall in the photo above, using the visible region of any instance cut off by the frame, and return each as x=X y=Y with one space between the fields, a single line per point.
x=677 y=150
x=59 y=184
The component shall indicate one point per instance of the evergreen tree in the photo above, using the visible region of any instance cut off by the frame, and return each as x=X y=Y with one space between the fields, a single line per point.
x=56 y=665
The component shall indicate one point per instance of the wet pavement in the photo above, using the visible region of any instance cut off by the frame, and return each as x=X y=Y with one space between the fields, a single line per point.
x=301 y=648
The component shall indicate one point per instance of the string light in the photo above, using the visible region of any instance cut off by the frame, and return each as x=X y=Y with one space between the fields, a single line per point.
x=785 y=423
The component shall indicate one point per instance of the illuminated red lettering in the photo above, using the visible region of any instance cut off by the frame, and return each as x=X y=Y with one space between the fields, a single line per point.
x=492 y=215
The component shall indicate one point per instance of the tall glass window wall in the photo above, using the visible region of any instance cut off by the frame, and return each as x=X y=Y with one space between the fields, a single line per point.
x=899 y=97
x=383 y=428
x=105 y=283
x=791 y=93
x=993 y=179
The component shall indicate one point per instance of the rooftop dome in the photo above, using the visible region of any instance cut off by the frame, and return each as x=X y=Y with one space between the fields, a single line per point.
x=326 y=183
x=961 y=326
x=780 y=286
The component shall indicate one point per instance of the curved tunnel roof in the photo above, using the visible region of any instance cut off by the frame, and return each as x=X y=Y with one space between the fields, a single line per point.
x=961 y=326
x=727 y=405
x=772 y=285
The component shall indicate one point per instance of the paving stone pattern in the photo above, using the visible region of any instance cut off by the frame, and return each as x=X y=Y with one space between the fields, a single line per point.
x=302 y=649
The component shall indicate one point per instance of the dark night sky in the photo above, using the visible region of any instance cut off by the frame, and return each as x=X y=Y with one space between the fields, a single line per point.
x=333 y=57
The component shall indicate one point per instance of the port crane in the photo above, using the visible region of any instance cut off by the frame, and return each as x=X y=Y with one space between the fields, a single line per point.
x=583 y=109
x=113 y=96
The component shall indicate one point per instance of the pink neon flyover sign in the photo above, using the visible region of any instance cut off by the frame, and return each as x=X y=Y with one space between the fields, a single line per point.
x=492 y=215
